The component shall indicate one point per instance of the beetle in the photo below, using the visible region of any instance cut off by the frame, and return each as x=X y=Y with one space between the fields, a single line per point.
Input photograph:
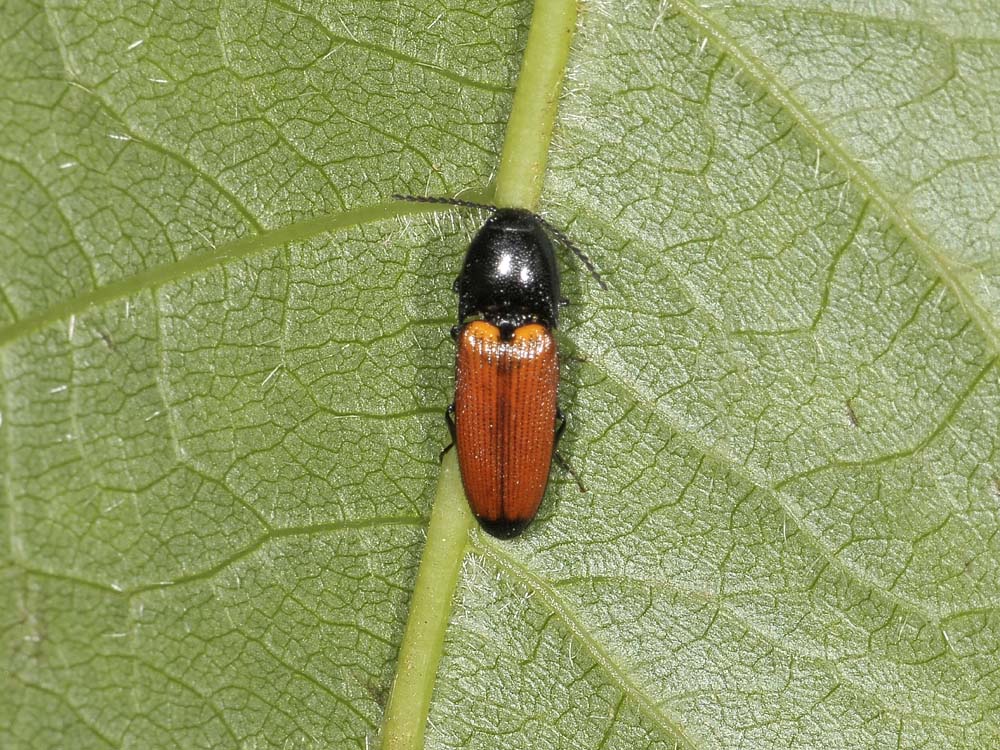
x=505 y=421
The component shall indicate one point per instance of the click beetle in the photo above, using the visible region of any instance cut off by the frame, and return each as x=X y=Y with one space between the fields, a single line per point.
x=505 y=421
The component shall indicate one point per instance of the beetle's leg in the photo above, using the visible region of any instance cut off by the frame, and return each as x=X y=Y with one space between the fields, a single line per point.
x=563 y=463
x=449 y=417
x=561 y=418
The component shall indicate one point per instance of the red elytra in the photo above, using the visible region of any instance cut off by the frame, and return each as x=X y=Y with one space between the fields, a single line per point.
x=505 y=421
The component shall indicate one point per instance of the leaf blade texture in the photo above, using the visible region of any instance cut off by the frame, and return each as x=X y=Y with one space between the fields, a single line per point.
x=224 y=362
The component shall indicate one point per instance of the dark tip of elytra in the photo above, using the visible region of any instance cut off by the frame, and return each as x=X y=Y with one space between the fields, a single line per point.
x=503 y=529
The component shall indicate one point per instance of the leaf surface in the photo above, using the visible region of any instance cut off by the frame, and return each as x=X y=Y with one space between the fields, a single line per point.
x=224 y=361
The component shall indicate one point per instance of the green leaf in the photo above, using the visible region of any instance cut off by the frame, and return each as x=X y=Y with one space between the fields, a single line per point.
x=224 y=357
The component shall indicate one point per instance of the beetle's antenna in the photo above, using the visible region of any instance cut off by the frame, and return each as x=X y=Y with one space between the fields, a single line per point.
x=556 y=232
x=447 y=201
x=568 y=243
